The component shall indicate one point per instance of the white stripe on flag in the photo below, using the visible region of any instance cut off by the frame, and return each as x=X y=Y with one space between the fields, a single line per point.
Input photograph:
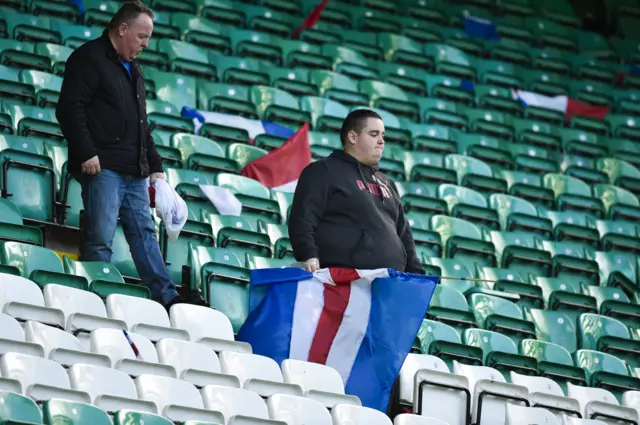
x=352 y=330
x=557 y=103
x=223 y=199
x=306 y=315
x=253 y=127
x=287 y=187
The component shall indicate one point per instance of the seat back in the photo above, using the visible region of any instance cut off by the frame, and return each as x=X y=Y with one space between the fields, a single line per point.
x=184 y=355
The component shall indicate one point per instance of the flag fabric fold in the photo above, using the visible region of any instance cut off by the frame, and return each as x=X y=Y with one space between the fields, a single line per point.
x=479 y=28
x=360 y=322
x=281 y=168
x=253 y=127
x=312 y=18
x=568 y=106
x=223 y=199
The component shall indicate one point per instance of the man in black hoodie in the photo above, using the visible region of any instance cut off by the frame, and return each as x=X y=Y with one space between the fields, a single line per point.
x=346 y=213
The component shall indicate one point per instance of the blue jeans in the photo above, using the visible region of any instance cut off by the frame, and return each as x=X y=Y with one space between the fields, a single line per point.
x=109 y=195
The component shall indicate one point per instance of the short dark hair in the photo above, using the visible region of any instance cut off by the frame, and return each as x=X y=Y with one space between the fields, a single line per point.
x=355 y=121
x=129 y=12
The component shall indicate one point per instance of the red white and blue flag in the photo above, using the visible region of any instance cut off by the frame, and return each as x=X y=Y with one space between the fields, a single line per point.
x=360 y=322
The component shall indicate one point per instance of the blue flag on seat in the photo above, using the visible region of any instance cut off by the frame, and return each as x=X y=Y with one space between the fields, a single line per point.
x=360 y=322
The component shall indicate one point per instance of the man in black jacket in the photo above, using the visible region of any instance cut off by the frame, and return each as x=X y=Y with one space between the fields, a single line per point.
x=346 y=213
x=102 y=114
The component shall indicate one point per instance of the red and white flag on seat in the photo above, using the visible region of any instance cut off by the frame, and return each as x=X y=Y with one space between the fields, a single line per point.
x=281 y=168
x=568 y=106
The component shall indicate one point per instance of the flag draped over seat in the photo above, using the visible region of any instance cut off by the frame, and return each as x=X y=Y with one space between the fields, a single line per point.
x=360 y=322
x=568 y=106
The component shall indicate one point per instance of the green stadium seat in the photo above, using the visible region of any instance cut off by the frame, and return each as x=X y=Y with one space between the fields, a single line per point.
x=366 y=19
x=609 y=335
x=29 y=179
x=546 y=83
x=240 y=70
x=255 y=44
x=598 y=127
x=269 y=21
x=554 y=360
x=532 y=159
x=326 y=114
x=502 y=316
x=403 y=50
x=243 y=154
x=223 y=280
x=551 y=60
x=612 y=302
x=22 y=55
x=450 y=307
x=297 y=53
x=391 y=163
x=389 y=97
x=572 y=226
x=469 y=205
x=582 y=168
x=363 y=43
x=499 y=352
x=623 y=126
x=498 y=73
x=187 y=184
x=497 y=98
x=12 y=227
x=475 y=174
x=12 y=88
x=187 y=58
x=26 y=27
x=564 y=295
x=510 y=281
x=605 y=371
x=104 y=279
x=620 y=236
x=279 y=236
x=572 y=261
x=257 y=202
x=617 y=270
x=518 y=251
x=323 y=143
x=17 y=409
x=463 y=240
x=239 y=235
x=528 y=186
x=428 y=243
x=443 y=341
x=432 y=137
x=225 y=99
x=277 y=106
x=419 y=200
x=294 y=81
x=31 y=120
x=338 y=87
x=130 y=417
x=75 y=35
x=627 y=150
x=448 y=88
x=200 y=153
x=253 y=262
x=38 y=264
x=170 y=156
x=517 y=214
x=47 y=86
x=619 y=203
x=573 y=195
x=202 y=32
x=450 y=60
x=99 y=12
x=177 y=89
x=56 y=411
x=621 y=174
x=349 y=62
x=537 y=133
x=555 y=327
x=221 y=11
x=491 y=123
x=163 y=115
x=449 y=270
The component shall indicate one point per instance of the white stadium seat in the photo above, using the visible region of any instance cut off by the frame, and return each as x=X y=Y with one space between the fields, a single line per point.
x=257 y=373
x=194 y=363
x=600 y=404
x=84 y=311
x=22 y=299
x=109 y=389
x=177 y=400
x=318 y=382
x=40 y=379
x=519 y=415
x=12 y=338
x=297 y=410
x=490 y=409
x=346 y=414
x=547 y=394
x=412 y=364
x=61 y=346
x=569 y=420
x=143 y=316
x=115 y=345
x=207 y=326
x=410 y=419
x=236 y=405
x=632 y=399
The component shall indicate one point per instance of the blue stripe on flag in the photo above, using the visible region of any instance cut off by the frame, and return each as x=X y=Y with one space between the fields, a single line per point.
x=274 y=129
x=398 y=305
x=262 y=279
x=191 y=113
x=467 y=85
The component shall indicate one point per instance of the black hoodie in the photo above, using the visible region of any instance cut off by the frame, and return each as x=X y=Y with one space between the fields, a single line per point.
x=348 y=214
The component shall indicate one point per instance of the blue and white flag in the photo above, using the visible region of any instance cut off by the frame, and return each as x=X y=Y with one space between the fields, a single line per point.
x=479 y=28
x=253 y=127
x=360 y=322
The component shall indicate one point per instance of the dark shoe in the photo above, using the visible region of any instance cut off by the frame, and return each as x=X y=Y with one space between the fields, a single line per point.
x=176 y=300
x=199 y=300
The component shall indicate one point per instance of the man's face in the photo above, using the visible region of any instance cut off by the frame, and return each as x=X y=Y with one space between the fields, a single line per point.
x=369 y=143
x=136 y=36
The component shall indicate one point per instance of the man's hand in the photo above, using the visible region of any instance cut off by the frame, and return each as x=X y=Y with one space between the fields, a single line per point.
x=311 y=265
x=154 y=176
x=91 y=166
